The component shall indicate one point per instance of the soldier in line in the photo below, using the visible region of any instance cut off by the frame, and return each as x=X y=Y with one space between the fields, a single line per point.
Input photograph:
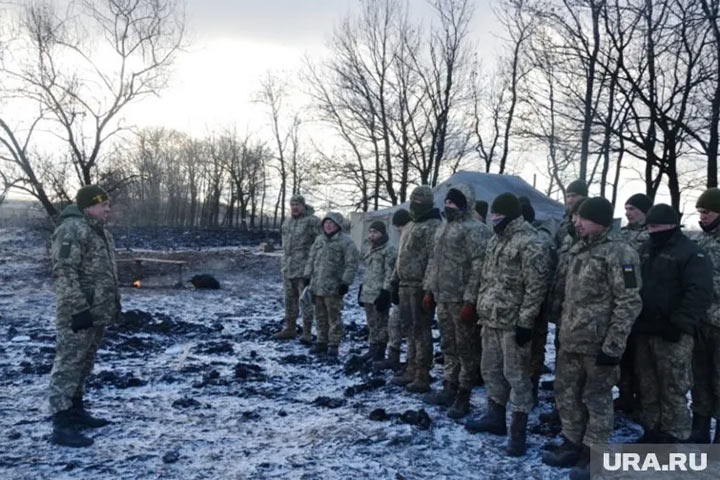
x=601 y=302
x=512 y=288
x=480 y=212
x=636 y=234
x=706 y=357
x=413 y=254
x=574 y=192
x=330 y=270
x=298 y=234
x=452 y=277
x=375 y=291
x=676 y=293
x=85 y=277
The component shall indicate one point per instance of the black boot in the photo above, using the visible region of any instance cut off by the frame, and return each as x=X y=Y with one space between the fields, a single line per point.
x=379 y=354
x=83 y=419
x=319 y=349
x=368 y=356
x=461 y=406
x=581 y=471
x=492 y=422
x=566 y=455
x=517 y=445
x=392 y=362
x=65 y=432
x=444 y=397
x=333 y=351
x=700 y=429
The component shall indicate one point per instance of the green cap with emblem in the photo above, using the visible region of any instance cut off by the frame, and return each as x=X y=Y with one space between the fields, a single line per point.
x=90 y=195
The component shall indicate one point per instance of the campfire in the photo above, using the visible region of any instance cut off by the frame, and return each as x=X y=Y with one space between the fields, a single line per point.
x=137 y=284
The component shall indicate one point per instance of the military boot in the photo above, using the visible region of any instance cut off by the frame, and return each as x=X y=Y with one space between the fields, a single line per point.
x=332 y=351
x=551 y=417
x=444 y=397
x=517 y=444
x=287 y=333
x=392 y=362
x=492 y=422
x=319 y=349
x=367 y=356
x=379 y=354
x=306 y=337
x=581 y=470
x=461 y=405
x=82 y=418
x=421 y=383
x=404 y=378
x=65 y=432
x=564 y=456
x=700 y=429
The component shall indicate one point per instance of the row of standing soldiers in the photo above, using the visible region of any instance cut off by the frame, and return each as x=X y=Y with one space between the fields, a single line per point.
x=639 y=308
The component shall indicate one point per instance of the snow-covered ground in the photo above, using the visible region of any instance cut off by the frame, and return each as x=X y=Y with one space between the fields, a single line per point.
x=197 y=388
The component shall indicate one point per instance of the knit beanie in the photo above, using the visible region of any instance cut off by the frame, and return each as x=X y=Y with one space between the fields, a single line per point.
x=578 y=187
x=709 y=200
x=598 y=210
x=297 y=199
x=640 y=201
x=662 y=214
x=506 y=204
x=90 y=195
x=379 y=226
x=457 y=197
x=401 y=217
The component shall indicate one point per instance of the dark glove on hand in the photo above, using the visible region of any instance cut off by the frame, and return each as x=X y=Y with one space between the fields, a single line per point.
x=81 y=321
x=671 y=333
x=603 y=359
x=428 y=302
x=382 y=302
x=343 y=289
x=305 y=282
x=359 y=295
x=468 y=313
x=523 y=335
x=396 y=296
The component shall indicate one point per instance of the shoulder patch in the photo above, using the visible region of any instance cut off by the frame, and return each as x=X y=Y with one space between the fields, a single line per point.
x=629 y=275
x=65 y=248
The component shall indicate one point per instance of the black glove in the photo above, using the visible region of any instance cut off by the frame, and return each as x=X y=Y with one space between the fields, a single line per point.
x=359 y=295
x=396 y=296
x=603 y=359
x=305 y=282
x=81 y=321
x=671 y=333
x=382 y=302
x=523 y=335
x=343 y=289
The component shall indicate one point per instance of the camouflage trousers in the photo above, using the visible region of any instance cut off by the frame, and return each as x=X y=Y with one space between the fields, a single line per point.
x=328 y=313
x=293 y=289
x=460 y=344
x=398 y=329
x=377 y=323
x=506 y=369
x=583 y=393
x=537 y=347
x=706 y=371
x=420 y=346
x=74 y=361
x=664 y=372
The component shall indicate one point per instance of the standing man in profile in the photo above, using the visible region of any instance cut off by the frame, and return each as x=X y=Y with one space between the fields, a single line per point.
x=298 y=234
x=574 y=192
x=85 y=278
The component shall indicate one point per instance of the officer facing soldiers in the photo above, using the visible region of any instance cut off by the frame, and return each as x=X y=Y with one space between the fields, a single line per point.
x=330 y=270
x=452 y=276
x=601 y=302
x=416 y=244
x=88 y=299
x=298 y=234
x=512 y=288
x=676 y=293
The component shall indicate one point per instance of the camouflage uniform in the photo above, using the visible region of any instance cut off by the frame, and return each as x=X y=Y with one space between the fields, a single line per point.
x=379 y=265
x=398 y=328
x=453 y=276
x=512 y=288
x=85 y=277
x=601 y=302
x=298 y=235
x=333 y=261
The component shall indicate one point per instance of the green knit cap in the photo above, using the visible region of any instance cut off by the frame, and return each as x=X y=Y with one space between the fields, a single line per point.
x=578 y=187
x=379 y=226
x=506 y=204
x=401 y=217
x=662 y=214
x=90 y=195
x=598 y=210
x=709 y=200
x=423 y=195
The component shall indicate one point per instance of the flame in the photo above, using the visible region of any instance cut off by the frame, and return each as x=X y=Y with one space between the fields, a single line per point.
x=137 y=284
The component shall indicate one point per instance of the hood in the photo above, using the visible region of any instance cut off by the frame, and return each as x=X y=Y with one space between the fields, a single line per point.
x=468 y=192
x=71 y=211
x=309 y=210
x=336 y=217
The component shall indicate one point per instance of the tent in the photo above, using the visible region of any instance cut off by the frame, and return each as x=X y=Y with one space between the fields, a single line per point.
x=487 y=186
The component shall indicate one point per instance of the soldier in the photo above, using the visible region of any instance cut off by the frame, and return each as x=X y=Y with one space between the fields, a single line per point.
x=452 y=277
x=706 y=357
x=676 y=293
x=601 y=302
x=398 y=326
x=298 y=234
x=577 y=190
x=85 y=277
x=512 y=288
x=330 y=270
x=375 y=291
x=636 y=234
x=480 y=212
x=413 y=254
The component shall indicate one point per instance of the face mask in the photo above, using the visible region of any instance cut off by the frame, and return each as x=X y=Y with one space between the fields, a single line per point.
x=501 y=224
x=659 y=239
x=451 y=213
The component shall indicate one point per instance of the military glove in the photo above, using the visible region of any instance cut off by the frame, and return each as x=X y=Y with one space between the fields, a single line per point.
x=359 y=295
x=382 y=302
x=428 y=302
x=523 y=335
x=603 y=359
x=671 y=333
x=468 y=313
x=305 y=282
x=81 y=321
x=396 y=296
x=343 y=289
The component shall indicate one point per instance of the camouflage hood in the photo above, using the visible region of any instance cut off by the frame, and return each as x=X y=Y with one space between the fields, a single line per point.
x=71 y=211
x=468 y=192
x=336 y=218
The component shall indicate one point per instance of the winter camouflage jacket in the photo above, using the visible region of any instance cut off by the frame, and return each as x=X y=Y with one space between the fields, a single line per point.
x=710 y=243
x=379 y=265
x=84 y=270
x=514 y=279
x=333 y=261
x=298 y=235
x=415 y=248
x=601 y=297
x=556 y=292
x=454 y=268
x=635 y=235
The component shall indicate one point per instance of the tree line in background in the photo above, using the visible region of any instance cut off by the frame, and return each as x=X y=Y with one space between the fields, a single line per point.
x=602 y=90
